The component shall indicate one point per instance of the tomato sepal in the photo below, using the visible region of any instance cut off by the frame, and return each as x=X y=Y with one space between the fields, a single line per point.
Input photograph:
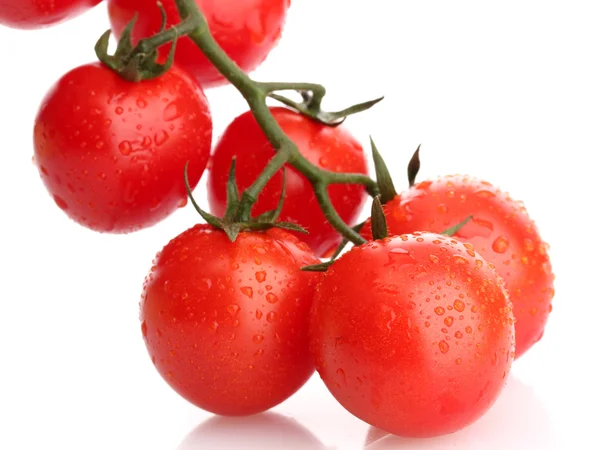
x=130 y=63
x=311 y=107
x=235 y=221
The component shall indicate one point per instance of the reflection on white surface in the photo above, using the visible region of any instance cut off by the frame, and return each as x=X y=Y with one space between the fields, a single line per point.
x=261 y=432
x=518 y=421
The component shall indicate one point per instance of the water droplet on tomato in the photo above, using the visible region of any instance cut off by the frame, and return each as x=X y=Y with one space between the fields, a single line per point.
x=118 y=110
x=340 y=372
x=161 y=137
x=259 y=314
x=60 y=203
x=500 y=245
x=125 y=148
x=469 y=330
x=233 y=310
x=458 y=361
x=459 y=305
x=261 y=276
x=146 y=142
x=484 y=193
x=449 y=321
x=434 y=259
x=247 y=291
x=271 y=317
x=144 y=329
x=457 y=259
x=258 y=338
x=442 y=209
x=444 y=347
x=214 y=326
x=458 y=335
x=141 y=103
x=171 y=112
x=439 y=311
x=272 y=298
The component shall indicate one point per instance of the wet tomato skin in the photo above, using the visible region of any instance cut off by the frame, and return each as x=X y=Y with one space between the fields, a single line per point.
x=226 y=324
x=413 y=334
x=33 y=14
x=112 y=153
x=501 y=231
x=330 y=148
x=246 y=29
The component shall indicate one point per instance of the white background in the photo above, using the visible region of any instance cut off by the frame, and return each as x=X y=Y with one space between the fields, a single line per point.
x=507 y=91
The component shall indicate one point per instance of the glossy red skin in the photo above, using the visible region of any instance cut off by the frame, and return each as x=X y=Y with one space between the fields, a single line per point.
x=326 y=147
x=112 y=153
x=32 y=14
x=413 y=334
x=501 y=231
x=246 y=29
x=226 y=324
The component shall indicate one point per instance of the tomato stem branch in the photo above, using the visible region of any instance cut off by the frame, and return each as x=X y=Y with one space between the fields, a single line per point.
x=255 y=93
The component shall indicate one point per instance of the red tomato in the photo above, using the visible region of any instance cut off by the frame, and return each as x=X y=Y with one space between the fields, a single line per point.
x=413 y=334
x=501 y=232
x=30 y=14
x=326 y=147
x=112 y=153
x=226 y=324
x=246 y=29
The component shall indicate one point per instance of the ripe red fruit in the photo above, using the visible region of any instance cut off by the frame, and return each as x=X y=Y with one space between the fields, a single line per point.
x=501 y=232
x=226 y=323
x=413 y=334
x=112 y=153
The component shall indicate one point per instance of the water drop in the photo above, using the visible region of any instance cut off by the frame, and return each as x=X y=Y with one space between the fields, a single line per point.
x=214 y=326
x=340 y=372
x=261 y=276
x=118 y=110
x=449 y=321
x=271 y=317
x=259 y=314
x=144 y=329
x=439 y=311
x=458 y=361
x=171 y=112
x=458 y=335
x=233 y=310
x=469 y=330
x=485 y=194
x=500 y=245
x=459 y=305
x=457 y=259
x=141 y=103
x=146 y=142
x=247 y=291
x=434 y=259
x=161 y=137
x=271 y=298
x=257 y=339
x=125 y=148
x=444 y=347
x=442 y=209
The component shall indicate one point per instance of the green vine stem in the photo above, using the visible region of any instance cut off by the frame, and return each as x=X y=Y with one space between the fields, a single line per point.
x=194 y=24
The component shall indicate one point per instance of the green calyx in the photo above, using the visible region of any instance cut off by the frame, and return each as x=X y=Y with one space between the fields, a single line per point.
x=413 y=168
x=135 y=64
x=312 y=97
x=456 y=228
x=237 y=214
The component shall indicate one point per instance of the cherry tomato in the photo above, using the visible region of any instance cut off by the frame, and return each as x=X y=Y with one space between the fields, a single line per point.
x=501 y=231
x=246 y=29
x=226 y=324
x=31 y=14
x=112 y=153
x=326 y=147
x=413 y=334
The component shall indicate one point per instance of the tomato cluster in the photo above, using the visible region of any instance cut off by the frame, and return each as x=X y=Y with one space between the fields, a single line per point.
x=413 y=330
